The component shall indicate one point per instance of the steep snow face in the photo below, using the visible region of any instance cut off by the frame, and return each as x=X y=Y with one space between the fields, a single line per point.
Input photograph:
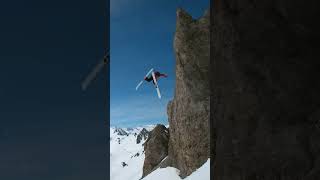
x=171 y=173
x=126 y=156
x=202 y=173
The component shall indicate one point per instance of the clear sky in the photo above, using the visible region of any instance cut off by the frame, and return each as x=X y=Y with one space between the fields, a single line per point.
x=142 y=33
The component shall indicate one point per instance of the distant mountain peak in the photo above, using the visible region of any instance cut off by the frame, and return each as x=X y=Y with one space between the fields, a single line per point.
x=121 y=132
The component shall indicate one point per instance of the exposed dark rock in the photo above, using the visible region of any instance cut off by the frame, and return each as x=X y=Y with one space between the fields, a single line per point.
x=188 y=112
x=265 y=99
x=136 y=155
x=121 y=132
x=124 y=164
x=143 y=135
x=166 y=162
x=156 y=148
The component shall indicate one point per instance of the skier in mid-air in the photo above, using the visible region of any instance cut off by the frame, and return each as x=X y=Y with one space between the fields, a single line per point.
x=157 y=75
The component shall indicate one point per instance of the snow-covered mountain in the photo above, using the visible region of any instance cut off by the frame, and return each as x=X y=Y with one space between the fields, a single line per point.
x=126 y=154
x=127 y=157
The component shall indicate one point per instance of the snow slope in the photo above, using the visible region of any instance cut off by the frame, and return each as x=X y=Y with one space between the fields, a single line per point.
x=124 y=148
x=170 y=173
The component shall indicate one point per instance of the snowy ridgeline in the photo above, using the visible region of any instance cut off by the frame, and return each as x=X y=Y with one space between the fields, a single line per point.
x=127 y=157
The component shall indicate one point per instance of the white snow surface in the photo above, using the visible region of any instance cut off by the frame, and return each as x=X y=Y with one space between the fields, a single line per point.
x=170 y=173
x=126 y=151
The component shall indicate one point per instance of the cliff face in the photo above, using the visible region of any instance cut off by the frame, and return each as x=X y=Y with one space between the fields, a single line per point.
x=188 y=112
x=266 y=100
x=156 y=148
x=143 y=135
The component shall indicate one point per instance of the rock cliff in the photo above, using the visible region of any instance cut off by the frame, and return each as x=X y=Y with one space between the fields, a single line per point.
x=156 y=148
x=189 y=144
x=188 y=112
x=143 y=135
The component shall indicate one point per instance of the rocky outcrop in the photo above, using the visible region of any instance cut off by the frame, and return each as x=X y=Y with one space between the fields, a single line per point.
x=143 y=135
x=265 y=83
x=120 y=132
x=188 y=112
x=155 y=148
x=124 y=164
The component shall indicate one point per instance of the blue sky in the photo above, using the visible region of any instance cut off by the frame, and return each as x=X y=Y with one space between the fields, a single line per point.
x=142 y=33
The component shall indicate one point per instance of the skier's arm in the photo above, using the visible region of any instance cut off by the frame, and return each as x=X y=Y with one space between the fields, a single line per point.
x=164 y=75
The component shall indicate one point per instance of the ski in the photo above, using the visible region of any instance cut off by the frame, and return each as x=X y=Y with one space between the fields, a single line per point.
x=143 y=80
x=156 y=85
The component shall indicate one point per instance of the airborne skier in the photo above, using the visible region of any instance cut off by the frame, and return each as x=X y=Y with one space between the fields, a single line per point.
x=153 y=77
x=157 y=75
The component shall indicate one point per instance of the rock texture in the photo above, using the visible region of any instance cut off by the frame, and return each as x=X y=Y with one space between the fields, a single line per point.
x=121 y=132
x=143 y=135
x=188 y=112
x=156 y=148
x=265 y=82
